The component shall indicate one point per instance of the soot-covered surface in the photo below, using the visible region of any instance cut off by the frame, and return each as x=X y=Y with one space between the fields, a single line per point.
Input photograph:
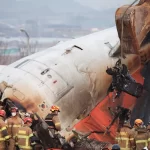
x=100 y=117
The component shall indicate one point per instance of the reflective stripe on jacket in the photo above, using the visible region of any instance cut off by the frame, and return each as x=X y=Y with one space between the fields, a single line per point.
x=125 y=138
x=13 y=124
x=142 y=138
x=3 y=134
x=3 y=131
x=23 y=137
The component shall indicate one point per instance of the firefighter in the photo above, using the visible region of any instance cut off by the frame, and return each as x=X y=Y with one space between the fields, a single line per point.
x=24 y=135
x=54 y=126
x=52 y=119
x=142 y=137
x=13 y=123
x=4 y=137
x=125 y=136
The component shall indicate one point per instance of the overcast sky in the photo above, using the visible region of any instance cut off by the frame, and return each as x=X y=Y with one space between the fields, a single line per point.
x=100 y=4
x=103 y=4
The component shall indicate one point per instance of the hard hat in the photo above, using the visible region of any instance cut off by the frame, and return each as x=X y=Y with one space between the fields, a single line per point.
x=14 y=109
x=115 y=147
x=27 y=119
x=145 y=148
x=2 y=113
x=54 y=108
x=138 y=122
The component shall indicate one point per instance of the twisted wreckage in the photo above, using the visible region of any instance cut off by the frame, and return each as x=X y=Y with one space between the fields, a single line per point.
x=73 y=76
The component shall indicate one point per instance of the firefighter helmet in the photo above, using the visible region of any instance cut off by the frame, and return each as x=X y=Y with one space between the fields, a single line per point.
x=115 y=147
x=27 y=119
x=2 y=113
x=14 y=109
x=54 y=108
x=138 y=122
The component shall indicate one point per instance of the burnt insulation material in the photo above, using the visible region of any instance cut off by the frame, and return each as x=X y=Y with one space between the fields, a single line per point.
x=91 y=144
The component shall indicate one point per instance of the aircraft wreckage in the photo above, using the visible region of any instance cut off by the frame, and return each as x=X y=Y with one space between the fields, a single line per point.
x=73 y=76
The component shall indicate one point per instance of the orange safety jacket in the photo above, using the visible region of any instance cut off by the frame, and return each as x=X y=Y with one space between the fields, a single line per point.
x=23 y=138
x=125 y=138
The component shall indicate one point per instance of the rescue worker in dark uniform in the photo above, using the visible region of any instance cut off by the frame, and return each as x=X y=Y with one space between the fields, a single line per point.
x=142 y=138
x=54 y=125
x=125 y=137
x=4 y=137
x=13 y=124
x=24 y=135
x=52 y=120
x=37 y=142
x=34 y=121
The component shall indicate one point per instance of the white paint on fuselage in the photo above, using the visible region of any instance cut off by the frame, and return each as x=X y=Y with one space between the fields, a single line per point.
x=76 y=81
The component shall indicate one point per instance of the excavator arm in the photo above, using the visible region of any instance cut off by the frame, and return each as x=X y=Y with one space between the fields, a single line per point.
x=133 y=25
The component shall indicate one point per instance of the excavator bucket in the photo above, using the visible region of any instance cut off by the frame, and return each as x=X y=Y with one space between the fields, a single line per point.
x=133 y=25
